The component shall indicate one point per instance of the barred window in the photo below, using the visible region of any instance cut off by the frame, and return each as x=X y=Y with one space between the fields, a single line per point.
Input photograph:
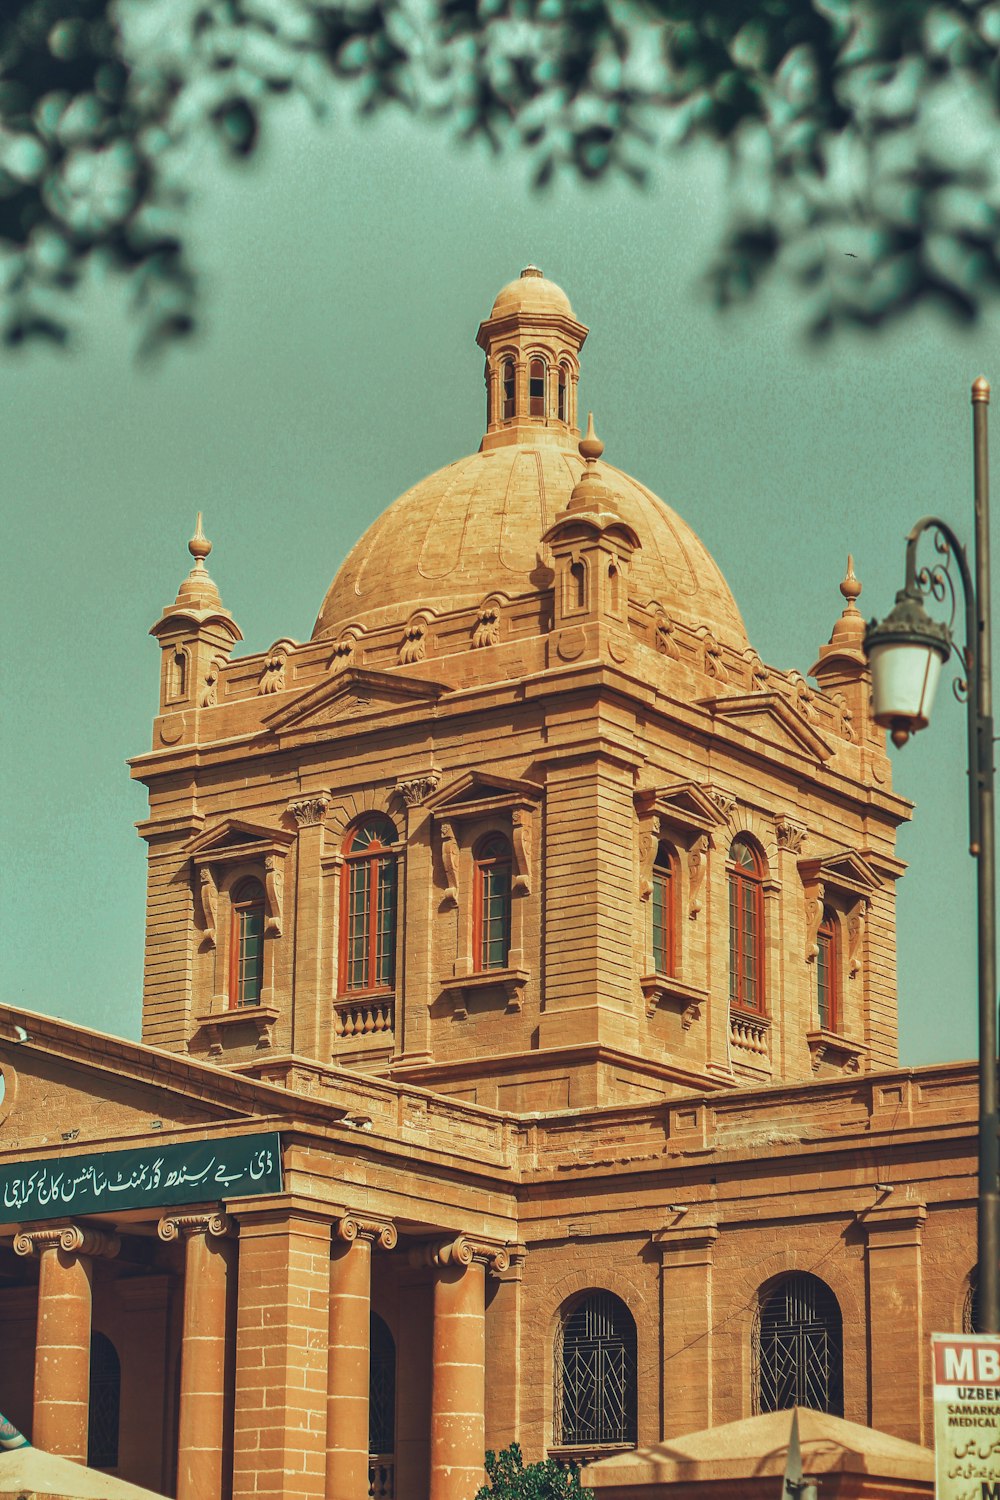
x=246 y=953
x=368 y=909
x=381 y=1390
x=491 y=904
x=746 y=926
x=595 y=1370
x=105 y=1403
x=798 y=1355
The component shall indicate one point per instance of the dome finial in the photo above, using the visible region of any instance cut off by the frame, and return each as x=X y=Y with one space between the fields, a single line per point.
x=591 y=446
x=199 y=546
x=849 y=630
x=850 y=587
x=531 y=271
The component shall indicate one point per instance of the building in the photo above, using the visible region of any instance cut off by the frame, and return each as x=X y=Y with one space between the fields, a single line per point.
x=519 y=1023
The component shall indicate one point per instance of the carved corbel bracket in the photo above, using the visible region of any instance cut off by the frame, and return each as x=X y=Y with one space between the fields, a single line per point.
x=697 y=864
x=208 y=900
x=789 y=834
x=413 y=789
x=463 y=1250
x=521 y=825
x=449 y=861
x=273 y=887
x=308 y=811
x=856 y=937
x=661 y=990
x=215 y=1023
x=827 y=1046
x=376 y=1231
x=813 y=892
x=73 y=1239
x=724 y=801
x=647 y=858
x=213 y=1226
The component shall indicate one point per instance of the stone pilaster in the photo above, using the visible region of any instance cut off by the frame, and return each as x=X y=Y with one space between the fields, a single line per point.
x=686 y=1254
x=311 y=1035
x=894 y=1232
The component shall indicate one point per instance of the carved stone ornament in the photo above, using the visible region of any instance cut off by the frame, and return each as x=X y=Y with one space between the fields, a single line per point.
x=760 y=675
x=207 y=900
x=376 y=1231
x=845 y=716
x=697 y=866
x=856 y=938
x=343 y=652
x=814 y=915
x=463 y=1250
x=413 y=646
x=273 y=888
x=173 y=1226
x=714 y=665
x=413 y=789
x=789 y=834
x=805 y=698
x=73 y=1239
x=272 y=678
x=449 y=860
x=308 y=811
x=487 y=631
x=647 y=858
x=666 y=645
x=724 y=801
x=210 y=692
x=521 y=829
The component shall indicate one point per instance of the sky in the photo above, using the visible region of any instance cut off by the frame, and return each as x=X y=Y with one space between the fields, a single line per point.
x=346 y=271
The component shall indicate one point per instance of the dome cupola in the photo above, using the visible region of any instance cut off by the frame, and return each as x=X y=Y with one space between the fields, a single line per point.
x=532 y=344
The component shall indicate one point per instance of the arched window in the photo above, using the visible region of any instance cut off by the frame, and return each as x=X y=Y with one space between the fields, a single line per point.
x=578 y=593
x=536 y=388
x=662 y=904
x=828 y=971
x=614 y=589
x=507 y=375
x=746 y=926
x=562 y=394
x=246 y=954
x=595 y=1370
x=177 y=673
x=368 y=910
x=798 y=1353
x=491 y=904
x=381 y=1393
x=105 y=1403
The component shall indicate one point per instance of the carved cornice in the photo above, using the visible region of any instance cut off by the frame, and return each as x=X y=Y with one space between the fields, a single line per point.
x=308 y=811
x=375 y=1231
x=413 y=789
x=463 y=1250
x=172 y=1226
x=74 y=1239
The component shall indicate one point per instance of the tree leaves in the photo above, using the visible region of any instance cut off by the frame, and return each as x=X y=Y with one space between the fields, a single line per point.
x=510 y=1480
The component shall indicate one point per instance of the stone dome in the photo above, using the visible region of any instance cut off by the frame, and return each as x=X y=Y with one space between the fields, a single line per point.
x=532 y=292
x=475 y=527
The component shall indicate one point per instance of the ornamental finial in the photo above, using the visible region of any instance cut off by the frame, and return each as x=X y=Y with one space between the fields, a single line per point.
x=981 y=389
x=199 y=546
x=850 y=587
x=591 y=446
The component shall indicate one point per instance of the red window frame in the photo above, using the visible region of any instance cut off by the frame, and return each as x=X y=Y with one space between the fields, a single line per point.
x=246 y=905
x=491 y=902
x=746 y=927
x=364 y=876
x=828 y=972
x=663 y=899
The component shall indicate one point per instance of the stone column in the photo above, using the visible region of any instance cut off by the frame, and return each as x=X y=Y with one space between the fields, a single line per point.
x=311 y=1035
x=458 y=1375
x=348 y=1372
x=686 y=1253
x=208 y=1265
x=279 y=1428
x=62 y=1350
x=895 y=1318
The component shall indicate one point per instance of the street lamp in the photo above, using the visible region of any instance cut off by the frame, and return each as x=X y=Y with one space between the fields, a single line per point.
x=907 y=651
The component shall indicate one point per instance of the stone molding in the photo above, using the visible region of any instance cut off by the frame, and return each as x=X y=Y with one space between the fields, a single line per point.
x=375 y=1231
x=173 y=1226
x=463 y=1250
x=905 y=1220
x=74 y=1239
x=682 y=1239
x=310 y=810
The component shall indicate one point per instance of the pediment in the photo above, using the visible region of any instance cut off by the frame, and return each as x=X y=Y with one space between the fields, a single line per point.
x=771 y=718
x=684 y=803
x=476 y=791
x=237 y=837
x=354 y=693
x=844 y=870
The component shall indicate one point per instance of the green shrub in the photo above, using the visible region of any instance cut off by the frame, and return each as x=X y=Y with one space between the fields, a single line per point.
x=509 y=1479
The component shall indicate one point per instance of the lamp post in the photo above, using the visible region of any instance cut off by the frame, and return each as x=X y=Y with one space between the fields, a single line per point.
x=907 y=651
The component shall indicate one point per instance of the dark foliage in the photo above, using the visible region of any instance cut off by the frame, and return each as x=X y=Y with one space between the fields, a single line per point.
x=861 y=138
x=510 y=1480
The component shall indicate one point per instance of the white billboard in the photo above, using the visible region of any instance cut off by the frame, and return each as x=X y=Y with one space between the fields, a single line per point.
x=966 y=1416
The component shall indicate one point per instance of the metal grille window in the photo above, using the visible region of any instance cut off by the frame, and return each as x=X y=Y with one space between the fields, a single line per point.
x=369 y=916
x=798 y=1353
x=381 y=1391
x=746 y=927
x=595 y=1369
x=247 y=957
x=105 y=1403
x=491 y=907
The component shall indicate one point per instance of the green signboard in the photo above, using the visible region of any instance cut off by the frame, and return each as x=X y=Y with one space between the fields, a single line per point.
x=150 y=1176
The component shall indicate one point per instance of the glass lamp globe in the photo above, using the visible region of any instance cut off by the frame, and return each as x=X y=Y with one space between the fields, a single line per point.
x=906 y=653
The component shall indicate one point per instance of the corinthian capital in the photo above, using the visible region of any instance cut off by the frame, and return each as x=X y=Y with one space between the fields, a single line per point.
x=413 y=789
x=308 y=811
